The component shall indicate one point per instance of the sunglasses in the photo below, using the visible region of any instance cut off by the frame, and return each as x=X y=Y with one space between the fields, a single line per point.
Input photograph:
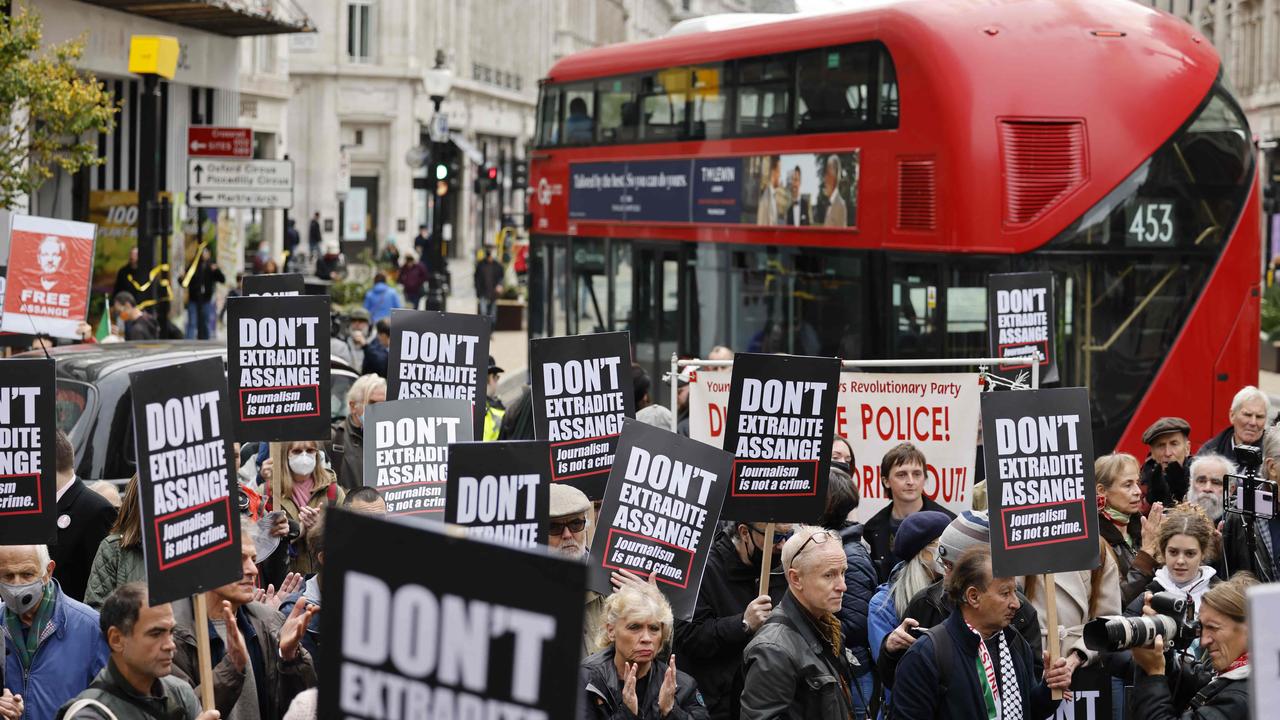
x=777 y=536
x=817 y=539
x=575 y=526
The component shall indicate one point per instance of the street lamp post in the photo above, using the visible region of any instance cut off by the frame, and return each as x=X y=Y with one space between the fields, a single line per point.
x=153 y=57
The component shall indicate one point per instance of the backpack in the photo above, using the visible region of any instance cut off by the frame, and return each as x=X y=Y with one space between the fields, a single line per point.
x=943 y=649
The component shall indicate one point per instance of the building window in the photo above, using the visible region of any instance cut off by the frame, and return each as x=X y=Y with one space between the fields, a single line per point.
x=360 y=30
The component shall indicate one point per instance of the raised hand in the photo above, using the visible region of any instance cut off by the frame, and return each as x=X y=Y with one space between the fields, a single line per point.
x=629 y=690
x=236 y=649
x=667 y=693
x=295 y=626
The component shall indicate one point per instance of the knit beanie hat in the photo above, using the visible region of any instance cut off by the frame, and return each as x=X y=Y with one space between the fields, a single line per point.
x=970 y=529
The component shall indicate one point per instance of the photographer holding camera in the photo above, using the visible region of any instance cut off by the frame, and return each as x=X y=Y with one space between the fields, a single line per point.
x=1249 y=534
x=1164 y=692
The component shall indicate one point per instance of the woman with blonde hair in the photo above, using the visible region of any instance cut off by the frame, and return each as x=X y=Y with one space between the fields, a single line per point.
x=306 y=488
x=1132 y=538
x=626 y=679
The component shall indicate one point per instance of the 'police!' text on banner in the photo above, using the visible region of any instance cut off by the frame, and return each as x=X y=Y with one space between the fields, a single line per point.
x=278 y=367
x=660 y=511
x=403 y=641
x=190 y=528
x=582 y=390
x=406 y=451
x=1040 y=487
x=28 y=483
x=500 y=491
x=439 y=355
x=781 y=416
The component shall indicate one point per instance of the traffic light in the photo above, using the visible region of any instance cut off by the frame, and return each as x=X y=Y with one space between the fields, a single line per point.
x=491 y=175
x=519 y=174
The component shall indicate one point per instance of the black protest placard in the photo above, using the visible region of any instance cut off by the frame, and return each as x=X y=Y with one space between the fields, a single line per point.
x=278 y=367
x=660 y=511
x=28 y=456
x=582 y=391
x=1090 y=696
x=1021 y=322
x=272 y=284
x=406 y=451
x=186 y=479
x=779 y=423
x=1040 y=486
x=500 y=491
x=428 y=639
x=439 y=355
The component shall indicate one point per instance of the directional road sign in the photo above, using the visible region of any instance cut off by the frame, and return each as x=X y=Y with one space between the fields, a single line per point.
x=240 y=183
x=280 y=199
x=228 y=142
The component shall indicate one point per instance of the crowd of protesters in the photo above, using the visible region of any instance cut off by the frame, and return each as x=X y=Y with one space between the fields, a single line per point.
x=902 y=617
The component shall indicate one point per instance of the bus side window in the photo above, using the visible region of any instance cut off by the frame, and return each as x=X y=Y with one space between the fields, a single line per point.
x=764 y=95
x=836 y=87
x=618 y=114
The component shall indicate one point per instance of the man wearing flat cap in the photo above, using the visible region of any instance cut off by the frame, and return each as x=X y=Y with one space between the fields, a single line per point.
x=567 y=536
x=1164 y=475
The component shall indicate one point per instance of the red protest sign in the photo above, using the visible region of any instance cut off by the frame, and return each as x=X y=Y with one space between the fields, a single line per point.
x=229 y=142
x=50 y=262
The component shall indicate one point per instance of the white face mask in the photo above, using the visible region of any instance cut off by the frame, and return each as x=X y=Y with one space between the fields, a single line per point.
x=302 y=463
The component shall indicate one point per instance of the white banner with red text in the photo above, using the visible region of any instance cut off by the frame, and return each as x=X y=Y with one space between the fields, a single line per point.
x=936 y=412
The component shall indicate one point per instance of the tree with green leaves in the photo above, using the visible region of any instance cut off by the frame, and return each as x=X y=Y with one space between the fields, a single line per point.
x=53 y=110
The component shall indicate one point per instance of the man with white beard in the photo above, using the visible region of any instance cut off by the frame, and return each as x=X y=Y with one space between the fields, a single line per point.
x=1207 y=473
x=567 y=537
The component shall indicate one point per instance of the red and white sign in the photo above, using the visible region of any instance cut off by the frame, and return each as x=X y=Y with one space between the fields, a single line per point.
x=50 y=266
x=936 y=412
x=228 y=142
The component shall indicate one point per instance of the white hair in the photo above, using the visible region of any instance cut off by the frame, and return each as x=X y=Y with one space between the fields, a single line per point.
x=1249 y=393
x=1271 y=443
x=42 y=556
x=1229 y=468
x=363 y=387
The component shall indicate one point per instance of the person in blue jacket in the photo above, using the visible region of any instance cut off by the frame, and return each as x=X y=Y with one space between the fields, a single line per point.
x=53 y=645
x=381 y=299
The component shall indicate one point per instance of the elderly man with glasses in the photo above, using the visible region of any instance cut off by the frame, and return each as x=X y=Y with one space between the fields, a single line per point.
x=796 y=667
x=730 y=609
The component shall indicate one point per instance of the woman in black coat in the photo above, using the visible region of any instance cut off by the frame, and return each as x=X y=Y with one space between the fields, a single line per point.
x=626 y=680
x=1224 y=636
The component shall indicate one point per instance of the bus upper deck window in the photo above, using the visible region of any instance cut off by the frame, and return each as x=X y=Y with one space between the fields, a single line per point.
x=548 y=115
x=578 y=108
x=764 y=95
x=836 y=88
x=618 y=111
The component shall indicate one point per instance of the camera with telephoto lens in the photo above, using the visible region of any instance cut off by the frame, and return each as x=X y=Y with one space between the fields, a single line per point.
x=1174 y=621
x=1247 y=494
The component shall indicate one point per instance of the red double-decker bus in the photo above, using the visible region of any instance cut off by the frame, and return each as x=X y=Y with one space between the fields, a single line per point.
x=843 y=184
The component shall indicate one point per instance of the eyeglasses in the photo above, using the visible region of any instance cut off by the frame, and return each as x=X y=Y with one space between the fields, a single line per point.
x=575 y=526
x=817 y=539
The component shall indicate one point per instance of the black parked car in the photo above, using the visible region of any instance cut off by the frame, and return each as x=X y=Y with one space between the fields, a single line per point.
x=94 y=404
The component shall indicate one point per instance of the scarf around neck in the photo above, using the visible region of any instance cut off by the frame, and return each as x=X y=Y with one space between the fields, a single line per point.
x=27 y=641
x=1196 y=587
x=1120 y=520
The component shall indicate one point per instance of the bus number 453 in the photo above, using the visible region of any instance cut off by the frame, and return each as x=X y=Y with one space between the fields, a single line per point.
x=1151 y=223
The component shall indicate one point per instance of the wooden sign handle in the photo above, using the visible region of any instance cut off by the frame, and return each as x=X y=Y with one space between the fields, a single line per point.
x=1051 y=622
x=203 y=656
x=766 y=562
x=279 y=465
